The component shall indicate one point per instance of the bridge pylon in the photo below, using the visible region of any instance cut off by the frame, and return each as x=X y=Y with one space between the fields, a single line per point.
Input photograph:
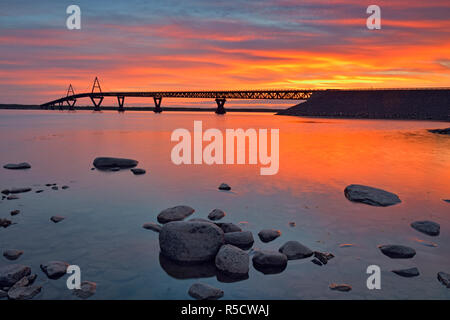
x=96 y=98
x=71 y=102
x=121 y=100
x=220 y=105
x=157 y=101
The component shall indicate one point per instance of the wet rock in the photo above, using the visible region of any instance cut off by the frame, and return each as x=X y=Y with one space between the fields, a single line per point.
x=24 y=293
x=323 y=257
x=17 y=166
x=407 y=273
x=57 y=219
x=138 y=171
x=397 y=251
x=65 y=187
x=15 y=212
x=5 y=191
x=31 y=278
x=216 y=214
x=440 y=131
x=340 y=287
x=317 y=261
x=190 y=242
x=39 y=191
x=268 y=235
x=152 y=226
x=243 y=240
x=371 y=196
x=295 y=250
x=12 y=254
x=428 y=227
x=21 y=283
x=179 y=270
x=5 y=223
x=12 y=197
x=12 y=273
x=106 y=163
x=177 y=213
x=225 y=187
x=202 y=291
x=269 y=262
x=87 y=289
x=54 y=269
x=228 y=227
x=55 y=188
x=232 y=260
x=19 y=190
x=444 y=278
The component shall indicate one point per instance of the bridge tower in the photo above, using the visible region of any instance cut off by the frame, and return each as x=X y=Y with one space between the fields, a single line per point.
x=96 y=98
x=157 y=101
x=71 y=102
x=220 y=105
x=121 y=100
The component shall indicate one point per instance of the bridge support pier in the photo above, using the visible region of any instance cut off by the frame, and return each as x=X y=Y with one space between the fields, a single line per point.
x=71 y=104
x=158 y=108
x=97 y=104
x=121 y=100
x=220 y=105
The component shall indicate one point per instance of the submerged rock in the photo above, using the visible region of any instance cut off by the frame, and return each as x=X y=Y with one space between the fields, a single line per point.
x=440 y=131
x=12 y=273
x=87 y=289
x=177 y=213
x=202 y=291
x=243 y=240
x=12 y=254
x=268 y=235
x=17 y=166
x=444 y=278
x=269 y=262
x=428 y=227
x=371 y=196
x=228 y=227
x=5 y=223
x=190 y=242
x=24 y=293
x=152 y=226
x=397 y=251
x=407 y=273
x=216 y=214
x=225 y=187
x=65 y=187
x=340 y=287
x=138 y=171
x=108 y=163
x=54 y=269
x=295 y=250
x=232 y=261
x=15 y=212
x=57 y=219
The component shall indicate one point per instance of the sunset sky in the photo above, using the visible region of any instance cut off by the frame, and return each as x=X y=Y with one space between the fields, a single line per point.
x=203 y=44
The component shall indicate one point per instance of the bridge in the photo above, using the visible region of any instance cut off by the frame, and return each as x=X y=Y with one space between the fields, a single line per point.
x=97 y=96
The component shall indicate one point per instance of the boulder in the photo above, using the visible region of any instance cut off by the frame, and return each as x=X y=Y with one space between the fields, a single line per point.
x=177 y=213
x=54 y=269
x=269 y=262
x=138 y=171
x=268 y=235
x=225 y=187
x=228 y=227
x=371 y=196
x=397 y=251
x=12 y=254
x=12 y=273
x=340 y=287
x=202 y=291
x=232 y=261
x=444 y=278
x=87 y=289
x=295 y=250
x=152 y=226
x=108 y=163
x=190 y=241
x=24 y=293
x=407 y=273
x=428 y=227
x=243 y=240
x=216 y=214
x=19 y=190
x=17 y=166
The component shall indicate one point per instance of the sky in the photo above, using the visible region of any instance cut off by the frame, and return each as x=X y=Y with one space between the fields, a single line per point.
x=138 y=45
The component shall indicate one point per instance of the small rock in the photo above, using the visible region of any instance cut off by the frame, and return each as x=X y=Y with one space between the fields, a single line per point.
x=12 y=254
x=407 y=273
x=39 y=191
x=152 y=226
x=228 y=227
x=108 y=163
x=54 y=188
x=295 y=250
x=243 y=240
x=54 y=269
x=428 y=227
x=269 y=259
x=12 y=197
x=65 y=187
x=19 y=190
x=225 y=187
x=440 y=131
x=216 y=214
x=57 y=219
x=371 y=196
x=232 y=261
x=202 y=291
x=323 y=257
x=138 y=171
x=5 y=191
x=12 y=273
x=268 y=235
x=177 y=213
x=316 y=261
x=15 y=212
x=24 y=293
x=5 y=223
x=340 y=287
x=87 y=289
x=444 y=278
x=17 y=166
x=397 y=251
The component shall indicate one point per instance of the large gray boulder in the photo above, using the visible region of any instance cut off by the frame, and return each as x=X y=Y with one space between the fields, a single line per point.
x=371 y=196
x=269 y=262
x=177 y=213
x=54 y=269
x=428 y=227
x=12 y=273
x=12 y=254
x=243 y=240
x=232 y=261
x=202 y=291
x=190 y=242
x=268 y=235
x=397 y=251
x=295 y=250
x=109 y=163
x=216 y=214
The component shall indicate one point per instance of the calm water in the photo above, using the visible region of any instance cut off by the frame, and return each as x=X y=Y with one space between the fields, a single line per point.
x=104 y=212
